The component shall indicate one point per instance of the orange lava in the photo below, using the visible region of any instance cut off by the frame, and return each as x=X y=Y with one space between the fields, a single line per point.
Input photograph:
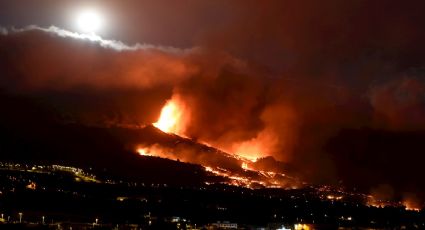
x=251 y=179
x=411 y=205
x=173 y=117
x=143 y=152
x=250 y=150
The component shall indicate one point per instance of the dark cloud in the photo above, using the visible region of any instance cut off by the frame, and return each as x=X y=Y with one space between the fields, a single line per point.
x=400 y=103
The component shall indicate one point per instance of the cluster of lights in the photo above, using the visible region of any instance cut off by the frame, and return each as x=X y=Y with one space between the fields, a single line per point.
x=301 y=227
x=332 y=197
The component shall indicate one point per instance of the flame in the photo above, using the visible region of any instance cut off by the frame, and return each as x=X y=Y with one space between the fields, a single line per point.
x=251 y=150
x=153 y=151
x=372 y=201
x=143 y=152
x=257 y=147
x=169 y=117
x=411 y=205
x=173 y=117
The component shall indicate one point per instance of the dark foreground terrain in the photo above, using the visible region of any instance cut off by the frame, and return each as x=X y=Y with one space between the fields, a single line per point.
x=55 y=196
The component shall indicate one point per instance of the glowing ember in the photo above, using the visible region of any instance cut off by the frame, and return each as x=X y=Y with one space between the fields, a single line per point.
x=373 y=202
x=411 y=206
x=153 y=151
x=143 y=152
x=172 y=118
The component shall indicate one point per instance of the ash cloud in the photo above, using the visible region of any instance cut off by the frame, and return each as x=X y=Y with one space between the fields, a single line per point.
x=400 y=103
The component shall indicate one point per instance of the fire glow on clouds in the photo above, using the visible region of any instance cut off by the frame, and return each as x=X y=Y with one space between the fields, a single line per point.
x=175 y=115
x=223 y=99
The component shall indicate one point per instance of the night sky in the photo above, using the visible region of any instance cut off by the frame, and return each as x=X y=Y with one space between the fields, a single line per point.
x=335 y=88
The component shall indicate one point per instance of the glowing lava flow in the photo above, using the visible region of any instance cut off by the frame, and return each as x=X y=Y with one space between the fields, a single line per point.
x=247 y=177
x=174 y=119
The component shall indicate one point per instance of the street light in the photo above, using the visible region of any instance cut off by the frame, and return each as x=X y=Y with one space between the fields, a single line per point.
x=42 y=219
x=95 y=222
x=20 y=217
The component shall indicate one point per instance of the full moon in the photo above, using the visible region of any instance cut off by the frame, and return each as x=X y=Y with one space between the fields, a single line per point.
x=89 y=21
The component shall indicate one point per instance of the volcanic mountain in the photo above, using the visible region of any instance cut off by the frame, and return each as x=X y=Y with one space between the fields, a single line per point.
x=139 y=153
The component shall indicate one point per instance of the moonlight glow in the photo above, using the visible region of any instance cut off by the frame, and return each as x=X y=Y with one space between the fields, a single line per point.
x=89 y=21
